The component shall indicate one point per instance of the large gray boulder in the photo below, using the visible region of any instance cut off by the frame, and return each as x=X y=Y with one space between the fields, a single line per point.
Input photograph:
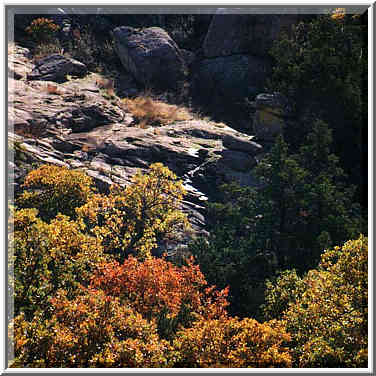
x=231 y=78
x=56 y=67
x=151 y=55
x=235 y=56
x=252 y=34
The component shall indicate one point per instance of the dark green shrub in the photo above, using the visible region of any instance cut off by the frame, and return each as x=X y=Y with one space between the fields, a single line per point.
x=322 y=69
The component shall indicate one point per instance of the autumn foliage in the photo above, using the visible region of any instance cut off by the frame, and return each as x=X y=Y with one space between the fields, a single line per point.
x=327 y=316
x=120 y=325
x=134 y=218
x=53 y=189
x=89 y=293
x=93 y=330
x=173 y=296
x=232 y=343
x=47 y=256
x=42 y=29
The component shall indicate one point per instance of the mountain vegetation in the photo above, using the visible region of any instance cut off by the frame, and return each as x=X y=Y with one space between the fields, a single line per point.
x=277 y=274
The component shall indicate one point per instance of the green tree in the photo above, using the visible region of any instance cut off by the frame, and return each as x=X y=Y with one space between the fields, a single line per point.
x=311 y=205
x=331 y=215
x=303 y=207
x=234 y=254
x=322 y=69
x=283 y=198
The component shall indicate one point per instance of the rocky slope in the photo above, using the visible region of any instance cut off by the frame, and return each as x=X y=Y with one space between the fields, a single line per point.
x=76 y=124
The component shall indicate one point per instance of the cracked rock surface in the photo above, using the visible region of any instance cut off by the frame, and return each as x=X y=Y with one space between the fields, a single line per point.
x=72 y=124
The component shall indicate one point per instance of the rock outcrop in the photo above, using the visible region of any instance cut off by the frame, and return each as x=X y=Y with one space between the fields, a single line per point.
x=19 y=63
x=151 y=55
x=56 y=68
x=235 y=62
x=42 y=108
x=230 y=78
x=250 y=34
x=74 y=124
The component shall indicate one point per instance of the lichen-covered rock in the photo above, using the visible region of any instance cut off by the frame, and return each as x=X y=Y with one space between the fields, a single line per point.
x=56 y=67
x=269 y=119
x=252 y=34
x=151 y=55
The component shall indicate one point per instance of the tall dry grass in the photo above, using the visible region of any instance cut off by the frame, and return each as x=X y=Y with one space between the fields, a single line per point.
x=152 y=112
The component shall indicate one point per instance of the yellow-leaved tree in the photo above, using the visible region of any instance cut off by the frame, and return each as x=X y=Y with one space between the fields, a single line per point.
x=132 y=219
x=45 y=257
x=54 y=189
x=229 y=342
x=327 y=316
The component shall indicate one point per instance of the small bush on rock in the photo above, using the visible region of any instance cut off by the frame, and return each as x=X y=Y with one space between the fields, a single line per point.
x=52 y=46
x=42 y=29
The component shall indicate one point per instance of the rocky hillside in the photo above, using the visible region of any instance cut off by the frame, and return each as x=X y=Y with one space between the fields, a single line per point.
x=70 y=112
x=60 y=113
x=161 y=112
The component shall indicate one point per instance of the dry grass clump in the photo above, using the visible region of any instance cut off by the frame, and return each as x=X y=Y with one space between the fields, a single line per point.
x=151 y=112
x=47 y=48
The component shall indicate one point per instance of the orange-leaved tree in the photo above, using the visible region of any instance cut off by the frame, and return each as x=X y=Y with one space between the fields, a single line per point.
x=173 y=296
x=116 y=325
x=93 y=330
